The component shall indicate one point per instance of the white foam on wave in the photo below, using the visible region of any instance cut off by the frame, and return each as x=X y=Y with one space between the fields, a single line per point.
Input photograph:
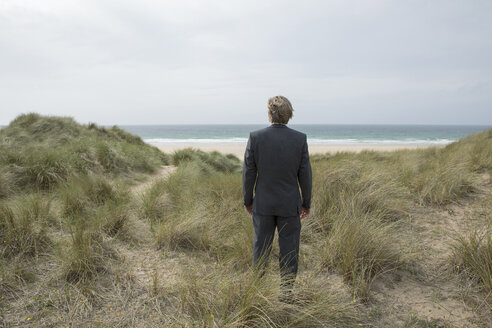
x=379 y=142
x=312 y=141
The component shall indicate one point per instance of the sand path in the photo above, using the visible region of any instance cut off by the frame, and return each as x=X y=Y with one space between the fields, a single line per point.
x=149 y=265
x=432 y=290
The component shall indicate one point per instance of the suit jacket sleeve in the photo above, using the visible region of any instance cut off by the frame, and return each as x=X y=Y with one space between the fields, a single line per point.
x=305 y=177
x=249 y=173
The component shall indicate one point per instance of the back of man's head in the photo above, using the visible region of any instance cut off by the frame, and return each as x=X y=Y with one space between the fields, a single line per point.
x=279 y=110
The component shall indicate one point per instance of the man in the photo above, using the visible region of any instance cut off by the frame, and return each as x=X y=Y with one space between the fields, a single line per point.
x=276 y=164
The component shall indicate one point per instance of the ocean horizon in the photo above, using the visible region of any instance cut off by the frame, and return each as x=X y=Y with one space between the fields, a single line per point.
x=318 y=134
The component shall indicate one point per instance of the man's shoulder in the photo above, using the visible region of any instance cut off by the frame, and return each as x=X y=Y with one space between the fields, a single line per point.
x=258 y=132
x=270 y=129
x=298 y=133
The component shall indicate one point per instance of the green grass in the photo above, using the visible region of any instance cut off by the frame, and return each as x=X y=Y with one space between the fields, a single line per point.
x=71 y=227
x=437 y=176
x=155 y=203
x=205 y=213
x=87 y=255
x=76 y=164
x=8 y=185
x=349 y=186
x=473 y=257
x=23 y=224
x=92 y=208
x=225 y=298
x=360 y=249
x=208 y=162
x=114 y=218
x=356 y=205
x=39 y=152
x=82 y=194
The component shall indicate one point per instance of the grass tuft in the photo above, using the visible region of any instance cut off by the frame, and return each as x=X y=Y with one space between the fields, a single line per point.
x=155 y=202
x=205 y=213
x=229 y=299
x=87 y=254
x=23 y=225
x=441 y=182
x=115 y=215
x=81 y=194
x=353 y=188
x=208 y=162
x=473 y=256
x=360 y=249
x=8 y=186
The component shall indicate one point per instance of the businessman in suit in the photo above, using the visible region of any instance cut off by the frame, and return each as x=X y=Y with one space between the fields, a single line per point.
x=276 y=164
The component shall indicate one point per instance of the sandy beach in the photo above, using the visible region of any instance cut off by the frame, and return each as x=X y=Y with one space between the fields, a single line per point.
x=238 y=150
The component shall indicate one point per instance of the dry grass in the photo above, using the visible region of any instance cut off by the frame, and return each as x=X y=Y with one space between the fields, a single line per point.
x=224 y=297
x=360 y=250
x=23 y=224
x=206 y=214
x=473 y=257
x=73 y=234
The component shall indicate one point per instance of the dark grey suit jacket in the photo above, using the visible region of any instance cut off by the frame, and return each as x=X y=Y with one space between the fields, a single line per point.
x=276 y=164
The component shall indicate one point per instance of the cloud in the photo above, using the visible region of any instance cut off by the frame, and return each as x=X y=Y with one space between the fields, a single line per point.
x=183 y=61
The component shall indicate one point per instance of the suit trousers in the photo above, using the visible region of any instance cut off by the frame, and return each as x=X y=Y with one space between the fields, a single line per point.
x=289 y=230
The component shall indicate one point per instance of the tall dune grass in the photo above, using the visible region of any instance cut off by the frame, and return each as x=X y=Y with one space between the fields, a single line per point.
x=82 y=194
x=87 y=254
x=8 y=185
x=436 y=176
x=92 y=208
x=61 y=194
x=225 y=298
x=208 y=162
x=23 y=224
x=355 y=207
x=354 y=188
x=205 y=213
x=475 y=150
x=360 y=249
x=115 y=215
x=155 y=203
x=473 y=256
x=39 y=152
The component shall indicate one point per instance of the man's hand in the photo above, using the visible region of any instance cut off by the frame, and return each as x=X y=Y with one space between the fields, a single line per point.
x=249 y=209
x=305 y=212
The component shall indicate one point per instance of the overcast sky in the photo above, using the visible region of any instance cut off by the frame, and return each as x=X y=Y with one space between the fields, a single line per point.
x=218 y=61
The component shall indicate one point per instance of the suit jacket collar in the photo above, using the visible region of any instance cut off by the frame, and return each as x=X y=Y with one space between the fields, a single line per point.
x=278 y=125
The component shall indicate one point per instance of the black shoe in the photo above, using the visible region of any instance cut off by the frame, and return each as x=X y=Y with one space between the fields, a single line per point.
x=286 y=295
x=286 y=299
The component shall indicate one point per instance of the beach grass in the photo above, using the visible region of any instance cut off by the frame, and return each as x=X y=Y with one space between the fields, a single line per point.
x=80 y=247
x=38 y=152
x=473 y=257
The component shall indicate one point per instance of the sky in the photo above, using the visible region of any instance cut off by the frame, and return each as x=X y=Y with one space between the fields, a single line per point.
x=217 y=61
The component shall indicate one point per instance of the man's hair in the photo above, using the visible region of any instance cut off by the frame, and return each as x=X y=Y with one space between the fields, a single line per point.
x=280 y=109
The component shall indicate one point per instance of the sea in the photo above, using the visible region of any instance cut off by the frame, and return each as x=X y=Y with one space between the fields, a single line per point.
x=318 y=134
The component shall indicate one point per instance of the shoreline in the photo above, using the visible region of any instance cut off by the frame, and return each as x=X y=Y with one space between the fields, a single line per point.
x=238 y=149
